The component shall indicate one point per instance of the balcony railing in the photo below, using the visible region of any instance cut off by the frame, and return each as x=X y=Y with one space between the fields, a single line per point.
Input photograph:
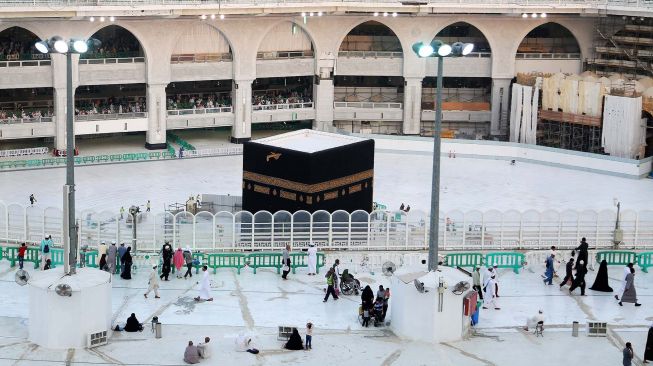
x=597 y=4
x=22 y=63
x=101 y=61
x=273 y=107
x=371 y=54
x=187 y=112
x=110 y=116
x=26 y=120
x=275 y=55
x=549 y=56
x=370 y=105
x=201 y=58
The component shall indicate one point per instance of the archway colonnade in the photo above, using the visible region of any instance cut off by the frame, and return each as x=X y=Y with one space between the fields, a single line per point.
x=240 y=48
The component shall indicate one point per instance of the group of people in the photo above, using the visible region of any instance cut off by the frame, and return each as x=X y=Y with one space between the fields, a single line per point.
x=115 y=47
x=111 y=105
x=627 y=292
x=371 y=305
x=629 y=353
x=276 y=97
x=24 y=115
x=110 y=255
x=193 y=354
x=295 y=342
x=487 y=286
x=199 y=101
x=13 y=49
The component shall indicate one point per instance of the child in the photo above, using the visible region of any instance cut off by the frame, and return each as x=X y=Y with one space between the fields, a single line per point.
x=378 y=311
x=48 y=264
x=366 y=317
x=21 y=255
x=309 y=335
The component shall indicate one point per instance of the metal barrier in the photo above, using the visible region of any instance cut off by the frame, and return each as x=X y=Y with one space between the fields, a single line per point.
x=272 y=107
x=379 y=230
x=549 y=56
x=110 y=116
x=372 y=54
x=371 y=105
x=22 y=63
x=27 y=120
x=23 y=152
x=199 y=111
x=103 y=61
x=203 y=57
x=276 y=55
x=221 y=151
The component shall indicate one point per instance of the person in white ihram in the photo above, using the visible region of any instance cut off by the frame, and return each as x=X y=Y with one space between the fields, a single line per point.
x=490 y=294
x=312 y=259
x=205 y=286
x=532 y=321
x=154 y=283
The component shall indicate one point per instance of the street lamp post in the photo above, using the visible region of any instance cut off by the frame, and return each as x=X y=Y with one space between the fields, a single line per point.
x=440 y=50
x=57 y=44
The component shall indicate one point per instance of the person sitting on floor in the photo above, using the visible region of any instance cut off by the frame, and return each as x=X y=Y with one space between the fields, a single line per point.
x=191 y=354
x=133 y=325
x=295 y=342
x=204 y=349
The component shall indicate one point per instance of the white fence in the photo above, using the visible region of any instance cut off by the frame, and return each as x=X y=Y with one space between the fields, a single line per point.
x=23 y=152
x=273 y=107
x=27 y=120
x=199 y=111
x=220 y=151
x=108 y=116
x=370 y=105
x=380 y=230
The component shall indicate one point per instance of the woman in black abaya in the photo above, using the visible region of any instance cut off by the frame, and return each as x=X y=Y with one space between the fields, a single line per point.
x=648 y=351
x=295 y=342
x=601 y=282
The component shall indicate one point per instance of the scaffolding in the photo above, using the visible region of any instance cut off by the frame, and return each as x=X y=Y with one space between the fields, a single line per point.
x=569 y=131
x=623 y=45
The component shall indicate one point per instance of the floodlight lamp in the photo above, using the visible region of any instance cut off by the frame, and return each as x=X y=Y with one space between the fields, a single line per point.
x=59 y=45
x=42 y=47
x=444 y=50
x=423 y=50
x=467 y=49
x=80 y=46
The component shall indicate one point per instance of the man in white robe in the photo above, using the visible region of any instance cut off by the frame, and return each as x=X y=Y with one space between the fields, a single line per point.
x=153 y=283
x=205 y=286
x=312 y=260
x=623 y=280
x=490 y=297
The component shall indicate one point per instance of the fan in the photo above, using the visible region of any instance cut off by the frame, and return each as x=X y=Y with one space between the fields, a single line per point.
x=461 y=287
x=63 y=289
x=420 y=286
x=389 y=268
x=21 y=277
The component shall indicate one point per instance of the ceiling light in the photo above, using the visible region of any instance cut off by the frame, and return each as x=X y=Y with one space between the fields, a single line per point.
x=212 y=16
x=319 y=13
x=534 y=15
x=92 y=19
x=112 y=18
x=101 y=19
x=303 y=14
x=394 y=14
x=221 y=16
x=203 y=17
x=524 y=15
x=543 y=15
x=376 y=13
x=310 y=14
x=385 y=13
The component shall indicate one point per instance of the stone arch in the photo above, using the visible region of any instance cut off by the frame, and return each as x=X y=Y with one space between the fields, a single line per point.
x=562 y=28
x=476 y=31
x=367 y=21
x=15 y=31
x=139 y=38
x=218 y=46
x=277 y=26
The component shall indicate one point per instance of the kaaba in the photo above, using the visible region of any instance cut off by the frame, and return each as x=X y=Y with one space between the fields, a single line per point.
x=308 y=170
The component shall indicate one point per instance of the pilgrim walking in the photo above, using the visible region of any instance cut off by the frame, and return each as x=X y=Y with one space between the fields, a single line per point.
x=601 y=282
x=630 y=293
x=579 y=281
x=205 y=286
x=582 y=253
x=626 y=270
x=569 y=275
x=154 y=284
x=312 y=259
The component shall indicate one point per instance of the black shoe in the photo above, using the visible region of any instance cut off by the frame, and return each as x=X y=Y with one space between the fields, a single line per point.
x=637 y=304
x=620 y=303
x=616 y=297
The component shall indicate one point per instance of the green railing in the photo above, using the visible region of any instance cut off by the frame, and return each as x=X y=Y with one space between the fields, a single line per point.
x=92 y=159
x=179 y=141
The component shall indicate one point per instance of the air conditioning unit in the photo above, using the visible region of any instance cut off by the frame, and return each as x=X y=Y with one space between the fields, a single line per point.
x=97 y=339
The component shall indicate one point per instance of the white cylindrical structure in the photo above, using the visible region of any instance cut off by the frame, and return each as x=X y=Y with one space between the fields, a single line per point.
x=62 y=322
x=415 y=315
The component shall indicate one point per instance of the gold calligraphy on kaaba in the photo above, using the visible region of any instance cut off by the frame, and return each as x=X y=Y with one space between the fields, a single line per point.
x=308 y=188
x=272 y=155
